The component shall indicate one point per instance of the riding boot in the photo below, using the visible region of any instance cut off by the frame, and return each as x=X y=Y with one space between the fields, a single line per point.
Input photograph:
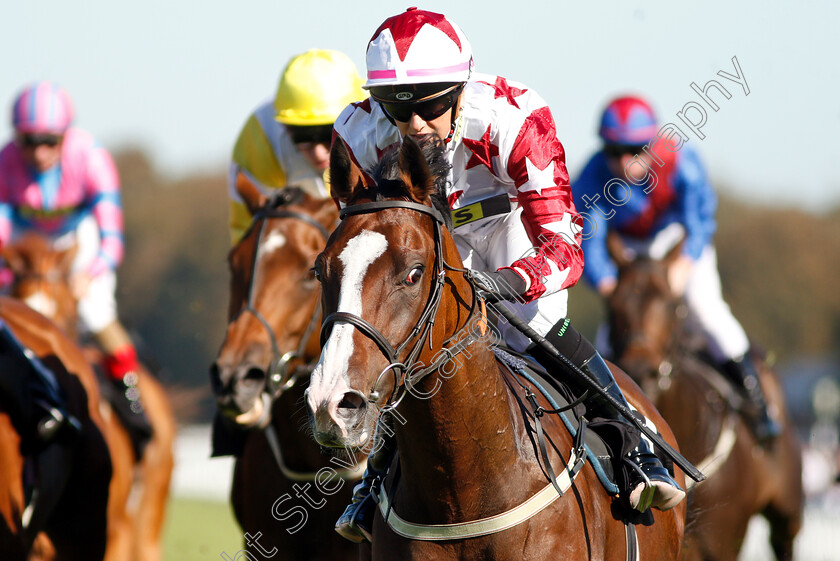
x=743 y=372
x=356 y=523
x=30 y=381
x=650 y=483
x=121 y=369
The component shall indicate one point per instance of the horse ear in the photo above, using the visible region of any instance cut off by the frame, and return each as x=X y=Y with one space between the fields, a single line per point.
x=345 y=176
x=13 y=258
x=252 y=196
x=617 y=250
x=414 y=170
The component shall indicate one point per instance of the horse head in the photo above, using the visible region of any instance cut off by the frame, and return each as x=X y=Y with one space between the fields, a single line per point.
x=383 y=276
x=644 y=313
x=273 y=310
x=42 y=273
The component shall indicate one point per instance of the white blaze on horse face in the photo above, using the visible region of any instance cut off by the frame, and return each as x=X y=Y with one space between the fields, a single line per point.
x=329 y=381
x=42 y=304
x=272 y=242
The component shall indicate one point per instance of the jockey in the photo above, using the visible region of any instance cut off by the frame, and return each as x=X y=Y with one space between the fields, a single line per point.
x=515 y=221
x=655 y=194
x=287 y=141
x=55 y=179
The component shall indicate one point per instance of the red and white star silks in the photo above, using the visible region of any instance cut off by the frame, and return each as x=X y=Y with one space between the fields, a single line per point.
x=505 y=143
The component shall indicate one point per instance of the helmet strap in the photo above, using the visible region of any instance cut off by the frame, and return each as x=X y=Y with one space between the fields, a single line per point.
x=456 y=112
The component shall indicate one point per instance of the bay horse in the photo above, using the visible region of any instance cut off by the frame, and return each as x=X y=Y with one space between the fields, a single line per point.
x=652 y=343
x=395 y=300
x=261 y=372
x=66 y=516
x=42 y=280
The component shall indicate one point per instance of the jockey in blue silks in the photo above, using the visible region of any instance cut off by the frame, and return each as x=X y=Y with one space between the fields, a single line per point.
x=649 y=187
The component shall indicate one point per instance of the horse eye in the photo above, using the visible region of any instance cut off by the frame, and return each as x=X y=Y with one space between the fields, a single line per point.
x=314 y=272
x=413 y=276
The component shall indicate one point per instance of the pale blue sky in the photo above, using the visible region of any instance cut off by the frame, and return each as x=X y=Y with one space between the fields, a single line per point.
x=178 y=78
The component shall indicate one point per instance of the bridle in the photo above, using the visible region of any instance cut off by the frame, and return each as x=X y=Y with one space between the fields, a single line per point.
x=49 y=285
x=640 y=339
x=278 y=376
x=409 y=371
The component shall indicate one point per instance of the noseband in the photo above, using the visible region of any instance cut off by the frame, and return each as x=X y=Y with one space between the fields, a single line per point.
x=423 y=326
x=279 y=379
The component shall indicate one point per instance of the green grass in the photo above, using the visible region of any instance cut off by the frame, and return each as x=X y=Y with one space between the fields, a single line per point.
x=198 y=530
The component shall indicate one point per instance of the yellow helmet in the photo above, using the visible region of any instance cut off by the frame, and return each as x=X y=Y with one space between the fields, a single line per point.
x=315 y=87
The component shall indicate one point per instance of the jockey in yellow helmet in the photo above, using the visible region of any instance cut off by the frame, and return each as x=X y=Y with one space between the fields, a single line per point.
x=286 y=141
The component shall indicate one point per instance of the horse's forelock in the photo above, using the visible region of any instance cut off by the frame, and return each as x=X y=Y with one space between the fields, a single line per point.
x=390 y=182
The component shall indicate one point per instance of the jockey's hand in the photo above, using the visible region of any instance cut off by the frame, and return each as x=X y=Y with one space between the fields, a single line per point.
x=503 y=284
x=80 y=284
x=679 y=271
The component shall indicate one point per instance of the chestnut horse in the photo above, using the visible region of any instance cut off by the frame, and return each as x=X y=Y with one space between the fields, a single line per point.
x=472 y=483
x=650 y=342
x=259 y=377
x=42 y=280
x=67 y=515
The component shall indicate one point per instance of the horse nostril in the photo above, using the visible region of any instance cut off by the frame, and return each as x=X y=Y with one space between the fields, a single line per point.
x=215 y=379
x=254 y=375
x=352 y=400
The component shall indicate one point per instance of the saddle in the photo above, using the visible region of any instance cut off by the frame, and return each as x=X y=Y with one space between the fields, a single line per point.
x=605 y=444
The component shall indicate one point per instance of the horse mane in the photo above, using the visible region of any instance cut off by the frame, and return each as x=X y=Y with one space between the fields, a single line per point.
x=387 y=175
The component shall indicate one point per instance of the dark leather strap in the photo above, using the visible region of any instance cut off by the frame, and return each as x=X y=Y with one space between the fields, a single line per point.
x=382 y=205
x=362 y=325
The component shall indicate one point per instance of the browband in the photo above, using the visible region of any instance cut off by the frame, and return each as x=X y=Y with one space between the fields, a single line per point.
x=381 y=205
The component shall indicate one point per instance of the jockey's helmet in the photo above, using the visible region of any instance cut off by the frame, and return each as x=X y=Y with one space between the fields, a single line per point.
x=629 y=121
x=42 y=108
x=315 y=87
x=418 y=47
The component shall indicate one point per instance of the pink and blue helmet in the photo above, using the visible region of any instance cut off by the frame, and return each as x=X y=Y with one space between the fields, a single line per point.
x=628 y=120
x=42 y=107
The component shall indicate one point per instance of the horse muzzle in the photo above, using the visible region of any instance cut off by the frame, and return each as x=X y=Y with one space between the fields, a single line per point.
x=237 y=391
x=342 y=422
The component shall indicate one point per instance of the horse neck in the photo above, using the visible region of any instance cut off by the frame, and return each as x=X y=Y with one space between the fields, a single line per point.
x=462 y=430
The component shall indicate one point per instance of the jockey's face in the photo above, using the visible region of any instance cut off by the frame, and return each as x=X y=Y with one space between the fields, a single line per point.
x=619 y=156
x=416 y=126
x=431 y=113
x=40 y=151
x=316 y=153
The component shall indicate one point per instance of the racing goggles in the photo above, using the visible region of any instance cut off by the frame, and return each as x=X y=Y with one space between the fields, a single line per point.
x=427 y=108
x=33 y=140
x=619 y=150
x=316 y=134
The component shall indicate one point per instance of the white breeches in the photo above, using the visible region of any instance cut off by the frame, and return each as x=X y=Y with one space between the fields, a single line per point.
x=497 y=242
x=726 y=337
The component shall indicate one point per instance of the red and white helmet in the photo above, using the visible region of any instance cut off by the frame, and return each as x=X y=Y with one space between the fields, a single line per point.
x=418 y=47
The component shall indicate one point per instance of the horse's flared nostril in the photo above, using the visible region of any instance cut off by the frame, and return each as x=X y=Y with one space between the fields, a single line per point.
x=351 y=409
x=216 y=379
x=254 y=375
x=352 y=400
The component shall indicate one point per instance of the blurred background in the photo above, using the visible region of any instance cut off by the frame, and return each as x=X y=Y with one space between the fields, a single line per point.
x=166 y=86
